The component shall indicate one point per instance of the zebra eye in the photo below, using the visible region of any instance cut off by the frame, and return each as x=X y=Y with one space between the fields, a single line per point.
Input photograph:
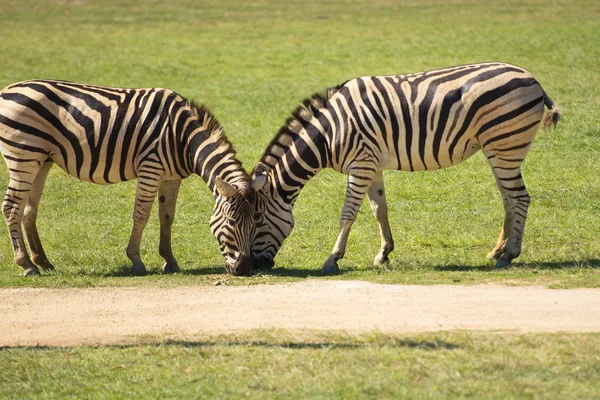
x=230 y=221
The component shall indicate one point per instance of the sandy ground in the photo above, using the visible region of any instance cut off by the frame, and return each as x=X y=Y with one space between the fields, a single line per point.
x=66 y=317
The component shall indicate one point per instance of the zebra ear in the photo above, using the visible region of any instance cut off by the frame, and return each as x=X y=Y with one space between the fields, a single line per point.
x=260 y=169
x=225 y=189
x=258 y=182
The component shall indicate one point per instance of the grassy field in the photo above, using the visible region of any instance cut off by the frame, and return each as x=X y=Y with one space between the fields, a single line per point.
x=252 y=62
x=277 y=364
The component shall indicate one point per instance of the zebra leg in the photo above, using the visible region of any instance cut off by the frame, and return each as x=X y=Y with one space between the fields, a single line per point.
x=22 y=175
x=518 y=198
x=506 y=227
x=29 y=219
x=167 y=198
x=355 y=193
x=380 y=211
x=147 y=187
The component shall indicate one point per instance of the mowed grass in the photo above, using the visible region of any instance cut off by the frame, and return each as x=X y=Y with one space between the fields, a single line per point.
x=252 y=63
x=284 y=365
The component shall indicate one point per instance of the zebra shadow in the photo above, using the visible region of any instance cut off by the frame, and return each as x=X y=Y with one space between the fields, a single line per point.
x=300 y=273
x=534 y=265
x=199 y=271
x=124 y=271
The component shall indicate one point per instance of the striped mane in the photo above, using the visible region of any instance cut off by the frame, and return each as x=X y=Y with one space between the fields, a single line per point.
x=215 y=130
x=294 y=124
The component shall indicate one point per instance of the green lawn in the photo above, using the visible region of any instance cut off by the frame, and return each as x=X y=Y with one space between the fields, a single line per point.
x=253 y=62
x=282 y=365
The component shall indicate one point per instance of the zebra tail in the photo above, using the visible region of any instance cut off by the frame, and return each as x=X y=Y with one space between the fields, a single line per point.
x=553 y=114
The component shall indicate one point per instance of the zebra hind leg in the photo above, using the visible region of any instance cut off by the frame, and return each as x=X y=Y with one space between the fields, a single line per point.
x=516 y=204
x=380 y=211
x=29 y=220
x=167 y=199
x=146 y=190
x=356 y=190
x=498 y=250
x=22 y=176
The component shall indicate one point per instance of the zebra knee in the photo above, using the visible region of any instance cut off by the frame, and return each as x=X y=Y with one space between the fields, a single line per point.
x=7 y=208
x=29 y=215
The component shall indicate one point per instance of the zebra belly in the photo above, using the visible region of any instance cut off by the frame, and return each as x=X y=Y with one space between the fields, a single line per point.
x=100 y=175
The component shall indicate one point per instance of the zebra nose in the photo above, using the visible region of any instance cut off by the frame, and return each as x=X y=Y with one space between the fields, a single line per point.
x=243 y=265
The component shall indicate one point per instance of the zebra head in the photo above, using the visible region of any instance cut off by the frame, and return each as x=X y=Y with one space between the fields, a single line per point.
x=273 y=215
x=232 y=223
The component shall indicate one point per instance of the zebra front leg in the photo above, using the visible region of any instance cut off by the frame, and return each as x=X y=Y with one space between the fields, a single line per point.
x=167 y=199
x=356 y=190
x=146 y=190
x=380 y=211
x=29 y=219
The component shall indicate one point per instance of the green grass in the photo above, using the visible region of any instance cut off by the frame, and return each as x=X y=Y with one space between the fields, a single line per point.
x=252 y=63
x=276 y=364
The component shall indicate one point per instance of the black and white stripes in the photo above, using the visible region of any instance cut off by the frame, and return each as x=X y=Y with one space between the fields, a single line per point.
x=413 y=122
x=107 y=135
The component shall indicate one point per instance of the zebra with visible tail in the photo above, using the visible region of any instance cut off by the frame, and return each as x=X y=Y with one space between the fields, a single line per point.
x=415 y=122
x=107 y=135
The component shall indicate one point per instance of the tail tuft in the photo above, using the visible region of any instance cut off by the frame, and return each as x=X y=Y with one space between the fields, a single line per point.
x=553 y=114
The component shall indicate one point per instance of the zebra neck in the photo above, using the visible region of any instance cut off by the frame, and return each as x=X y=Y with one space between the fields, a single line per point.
x=212 y=159
x=289 y=176
x=294 y=159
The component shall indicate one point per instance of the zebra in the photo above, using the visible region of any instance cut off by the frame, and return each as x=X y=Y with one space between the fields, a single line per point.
x=414 y=122
x=107 y=135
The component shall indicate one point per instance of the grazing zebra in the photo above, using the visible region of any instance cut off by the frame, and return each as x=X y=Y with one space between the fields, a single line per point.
x=107 y=135
x=415 y=122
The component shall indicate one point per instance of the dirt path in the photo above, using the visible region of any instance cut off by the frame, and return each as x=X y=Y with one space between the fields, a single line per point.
x=67 y=317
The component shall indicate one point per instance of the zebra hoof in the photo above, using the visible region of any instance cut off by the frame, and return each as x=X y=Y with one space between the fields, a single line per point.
x=381 y=261
x=331 y=269
x=47 y=266
x=138 y=270
x=500 y=263
x=170 y=268
x=31 y=271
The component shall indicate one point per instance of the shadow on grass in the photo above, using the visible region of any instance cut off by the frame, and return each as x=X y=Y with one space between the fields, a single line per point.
x=434 y=344
x=390 y=342
x=125 y=271
x=549 y=265
x=297 y=273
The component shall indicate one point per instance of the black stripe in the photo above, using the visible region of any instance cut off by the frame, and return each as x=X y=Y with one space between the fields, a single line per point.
x=511 y=133
x=155 y=109
x=485 y=99
x=34 y=132
x=114 y=136
x=394 y=119
x=450 y=99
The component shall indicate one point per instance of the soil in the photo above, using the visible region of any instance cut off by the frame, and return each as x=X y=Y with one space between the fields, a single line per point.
x=70 y=317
